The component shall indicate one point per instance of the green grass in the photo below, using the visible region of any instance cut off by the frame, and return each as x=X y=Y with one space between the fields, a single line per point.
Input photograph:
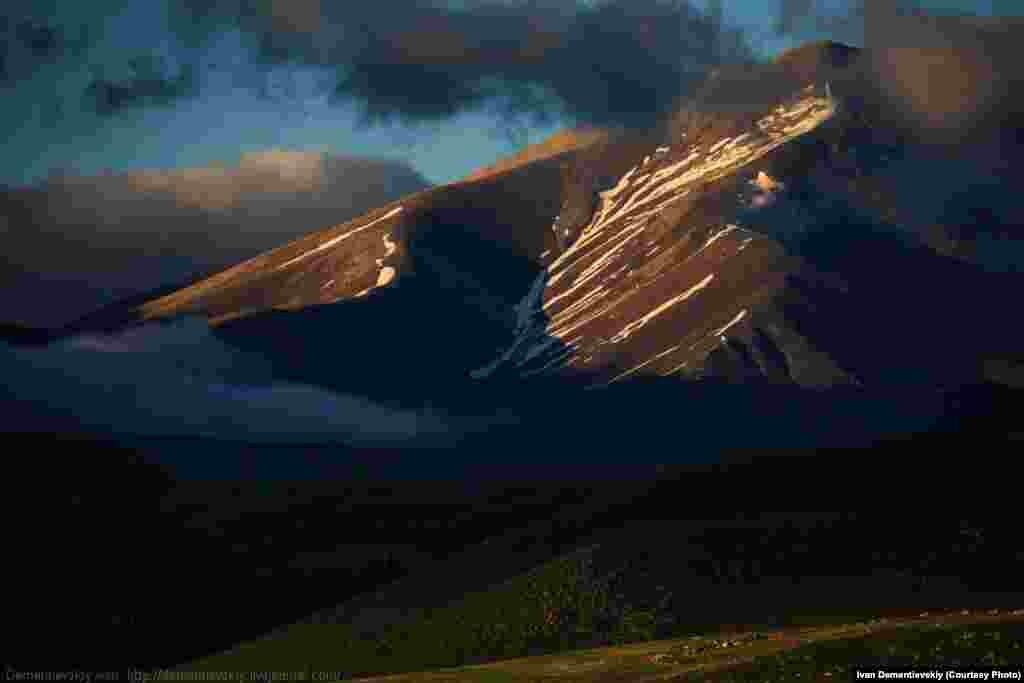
x=829 y=658
x=646 y=582
x=561 y=606
x=574 y=602
x=998 y=645
x=549 y=609
x=492 y=676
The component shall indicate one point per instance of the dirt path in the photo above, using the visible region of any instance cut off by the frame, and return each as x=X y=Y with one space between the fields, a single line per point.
x=670 y=659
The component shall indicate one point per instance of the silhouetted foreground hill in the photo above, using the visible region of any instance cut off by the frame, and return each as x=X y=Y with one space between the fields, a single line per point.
x=119 y=563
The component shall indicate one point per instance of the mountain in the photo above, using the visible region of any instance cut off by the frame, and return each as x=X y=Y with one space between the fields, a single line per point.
x=79 y=242
x=785 y=226
x=560 y=142
x=783 y=252
x=782 y=266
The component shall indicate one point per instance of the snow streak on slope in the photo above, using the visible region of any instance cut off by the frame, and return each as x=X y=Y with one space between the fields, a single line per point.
x=340 y=238
x=571 y=314
x=317 y=264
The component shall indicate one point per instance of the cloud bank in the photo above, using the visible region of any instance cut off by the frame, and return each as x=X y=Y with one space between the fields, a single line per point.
x=609 y=62
x=603 y=62
x=606 y=62
x=75 y=243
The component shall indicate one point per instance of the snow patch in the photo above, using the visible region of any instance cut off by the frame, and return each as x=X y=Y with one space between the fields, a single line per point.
x=598 y=265
x=537 y=350
x=739 y=316
x=766 y=183
x=737 y=140
x=677 y=368
x=386 y=275
x=529 y=305
x=717 y=236
x=620 y=186
x=719 y=145
x=551 y=364
x=648 y=194
x=340 y=238
x=646 y=363
x=389 y=246
x=629 y=329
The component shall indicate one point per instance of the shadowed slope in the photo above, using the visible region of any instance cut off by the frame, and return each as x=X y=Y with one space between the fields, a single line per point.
x=784 y=226
x=763 y=543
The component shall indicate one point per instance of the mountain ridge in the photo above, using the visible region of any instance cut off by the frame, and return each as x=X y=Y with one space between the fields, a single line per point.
x=479 y=241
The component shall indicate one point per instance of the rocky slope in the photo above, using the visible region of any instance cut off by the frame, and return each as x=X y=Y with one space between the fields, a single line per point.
x=783 y=226
x=559 y=143
x=652 y=266
x=784 y=230
x=77 y=243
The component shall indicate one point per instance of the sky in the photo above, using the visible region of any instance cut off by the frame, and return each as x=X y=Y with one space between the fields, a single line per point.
x=233 y=81
x=146 y=142
x=238 y=101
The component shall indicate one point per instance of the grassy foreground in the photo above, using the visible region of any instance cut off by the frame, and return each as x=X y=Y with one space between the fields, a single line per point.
x=936 y=644
x=657 y=580
x=822 y=652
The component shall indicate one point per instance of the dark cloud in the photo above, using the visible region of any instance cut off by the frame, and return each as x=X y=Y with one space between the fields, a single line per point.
x=75 y=243
x=604 y=62
x=26 y=44
x=844 y=21
x=151 y=82
x=611 y=62
x=67 y=39
x=31 y=38
x=956 y=78
x=938 y=65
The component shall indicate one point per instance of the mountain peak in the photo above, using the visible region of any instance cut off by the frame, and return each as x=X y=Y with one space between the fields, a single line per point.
x=826 y=52
x=768 y=232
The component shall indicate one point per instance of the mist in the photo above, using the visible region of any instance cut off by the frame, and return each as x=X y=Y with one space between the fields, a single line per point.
x=168 y=379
